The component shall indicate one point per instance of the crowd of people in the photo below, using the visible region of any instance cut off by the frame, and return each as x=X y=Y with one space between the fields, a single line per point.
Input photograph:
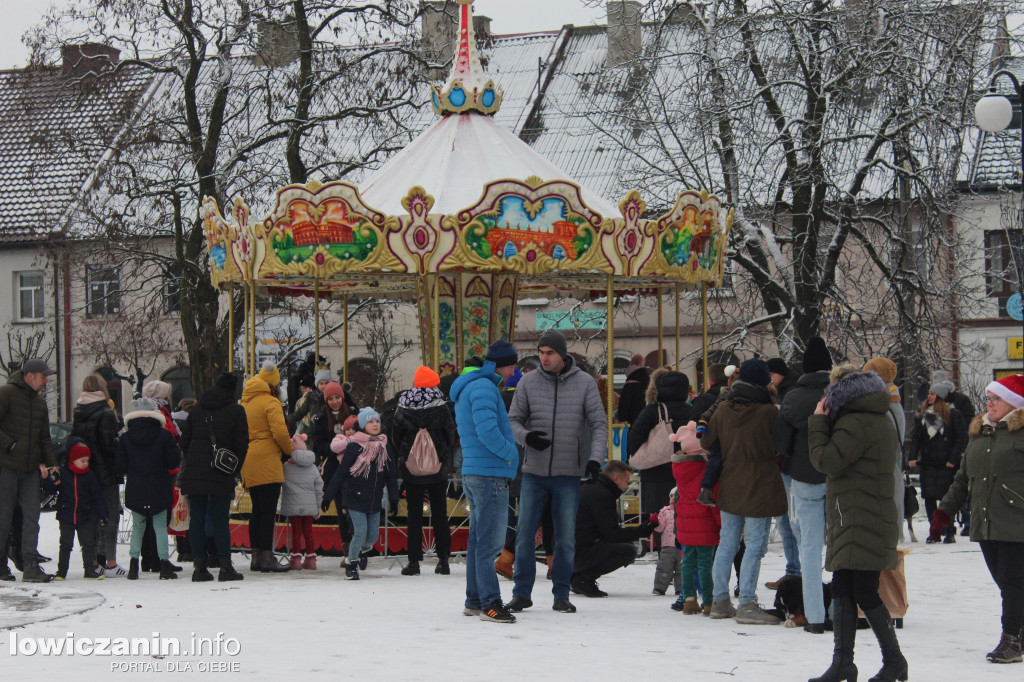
x=823 y=453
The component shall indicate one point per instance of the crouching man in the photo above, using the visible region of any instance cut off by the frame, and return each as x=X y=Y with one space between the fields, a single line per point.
x=602 y=545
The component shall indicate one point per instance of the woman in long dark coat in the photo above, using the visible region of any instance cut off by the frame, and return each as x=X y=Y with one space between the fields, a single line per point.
x=671 y=389
x=938 y=443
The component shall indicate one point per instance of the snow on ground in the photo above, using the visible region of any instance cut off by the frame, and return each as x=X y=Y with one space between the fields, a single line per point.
x=392 y=627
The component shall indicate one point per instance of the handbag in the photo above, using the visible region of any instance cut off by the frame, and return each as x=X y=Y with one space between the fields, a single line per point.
x=657 y=449
x=223 y=459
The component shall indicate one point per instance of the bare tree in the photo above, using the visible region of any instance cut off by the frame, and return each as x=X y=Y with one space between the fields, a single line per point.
x=23 y=346
x=384 y=347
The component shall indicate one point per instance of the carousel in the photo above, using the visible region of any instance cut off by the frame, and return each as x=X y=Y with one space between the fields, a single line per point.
x=464 y=221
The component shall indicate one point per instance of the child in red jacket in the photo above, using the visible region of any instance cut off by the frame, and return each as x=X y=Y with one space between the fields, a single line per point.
x=697 y=525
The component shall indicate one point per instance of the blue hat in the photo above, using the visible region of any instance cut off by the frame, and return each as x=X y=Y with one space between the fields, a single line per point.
x=755 y=372
x=367 y=415
x=502 y=353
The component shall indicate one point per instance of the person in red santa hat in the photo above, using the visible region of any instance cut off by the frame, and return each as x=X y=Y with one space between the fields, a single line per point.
x=991 y=476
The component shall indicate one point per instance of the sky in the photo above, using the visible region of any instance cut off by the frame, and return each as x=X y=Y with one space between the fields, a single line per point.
x=509 y=16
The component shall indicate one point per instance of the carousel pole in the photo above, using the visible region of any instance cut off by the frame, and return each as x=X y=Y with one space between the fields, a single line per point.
x=231 y=326
x=252 y=329
x=245 y=328
x=316 y=321
x=610 y=362
x=435 y=311
x=344 y=357
x=661 y=329
x=704 y=326
x=678 y=366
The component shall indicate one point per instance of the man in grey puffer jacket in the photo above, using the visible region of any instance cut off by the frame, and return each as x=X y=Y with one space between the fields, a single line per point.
x=558 y=416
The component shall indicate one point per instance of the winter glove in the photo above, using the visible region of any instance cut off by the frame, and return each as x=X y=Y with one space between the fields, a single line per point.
x=646 y=529
x=285 y=458
x=593 y=469
x=940 y=522
x=538 y=440
x=325 y=505
x=654 y=519
x=706 y=498
x=702 y=428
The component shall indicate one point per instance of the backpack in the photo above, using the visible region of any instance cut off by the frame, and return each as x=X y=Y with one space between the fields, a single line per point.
x=423 y=459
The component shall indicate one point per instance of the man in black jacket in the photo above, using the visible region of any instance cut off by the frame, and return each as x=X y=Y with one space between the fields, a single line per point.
x=602 y=545
x=716 y=375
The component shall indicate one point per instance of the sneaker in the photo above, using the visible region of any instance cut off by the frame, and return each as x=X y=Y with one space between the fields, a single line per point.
x=497 y=613
x=115 y=571
x=471 y=611
x=586 y=587
x=722 y=609
x=563 y=606
x=677 y=606
x=59 y=578
x=351 y=572
x=752 y=614
x=92 y=573
x=1008 y=650
x=518 y=604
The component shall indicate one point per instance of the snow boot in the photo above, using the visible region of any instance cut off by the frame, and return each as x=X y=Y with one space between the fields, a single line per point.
x=133 y=569
x=351 y=572
x=844 y=635
x=752 y=614
x=442 y=567
x=268 y=563
x=413 y=568
x=894 y=665
x=200 y=574
x=227 y=572
x=1008 y=650
x=309 y=562
x=364 y=559
x=295 y=563
x=517 y=604
x=167 y=571
x=506 y=564
x=34 y=574
x=722 y=609
x=254 y=560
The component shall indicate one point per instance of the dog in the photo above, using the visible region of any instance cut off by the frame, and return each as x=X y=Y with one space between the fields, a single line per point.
x=789 y=601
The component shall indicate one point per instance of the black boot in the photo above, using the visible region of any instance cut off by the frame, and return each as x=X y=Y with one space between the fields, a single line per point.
x=254 y=560
x=844 y=633
x=133 y=569
x=268 y=563
x=167 y=571
x=228 y=572
x=442 y=567
x=212 y=560
x=199 y=573
x=413 y=568
x=894 y=665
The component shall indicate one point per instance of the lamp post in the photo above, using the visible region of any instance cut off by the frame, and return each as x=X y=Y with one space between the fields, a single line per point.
x=994 y=113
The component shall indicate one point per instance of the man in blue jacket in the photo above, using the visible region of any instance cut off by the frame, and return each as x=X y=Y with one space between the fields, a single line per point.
x=489 y=461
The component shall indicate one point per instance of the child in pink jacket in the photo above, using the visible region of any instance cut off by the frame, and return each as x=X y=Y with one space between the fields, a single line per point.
x=669 y=557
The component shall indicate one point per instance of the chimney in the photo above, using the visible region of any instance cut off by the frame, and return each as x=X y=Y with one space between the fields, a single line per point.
x=440 y=28
x=682 y=12
x=623 y=31
x=277 y=43
x=80 y=61
x=482 y=28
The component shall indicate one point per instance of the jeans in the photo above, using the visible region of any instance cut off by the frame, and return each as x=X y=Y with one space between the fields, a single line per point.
x=20 y=488
x=697 y=560
x=365 y=533
x=210 y=516
x=564 y=493
x=139 y=524
x=488 y=510
x=789 y=544
x=808 y=508
x=755 y=534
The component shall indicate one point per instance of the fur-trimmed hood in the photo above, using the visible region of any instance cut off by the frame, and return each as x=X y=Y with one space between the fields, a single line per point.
x=145 y=413
x=853 y=386
x=667 y=386
x=1014 y=422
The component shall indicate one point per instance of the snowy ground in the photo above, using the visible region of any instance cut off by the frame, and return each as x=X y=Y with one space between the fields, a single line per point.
x=391 y=627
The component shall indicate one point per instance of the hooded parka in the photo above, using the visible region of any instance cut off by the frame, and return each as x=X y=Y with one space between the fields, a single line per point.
x=268 y=435
x=217 y=410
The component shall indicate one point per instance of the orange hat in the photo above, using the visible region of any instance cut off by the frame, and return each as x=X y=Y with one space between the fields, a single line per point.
x=425 y=378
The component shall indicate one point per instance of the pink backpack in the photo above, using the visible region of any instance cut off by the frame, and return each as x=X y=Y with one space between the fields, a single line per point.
x=423 y=459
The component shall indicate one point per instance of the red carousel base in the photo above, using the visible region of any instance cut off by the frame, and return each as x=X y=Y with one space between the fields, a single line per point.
x=328 y=540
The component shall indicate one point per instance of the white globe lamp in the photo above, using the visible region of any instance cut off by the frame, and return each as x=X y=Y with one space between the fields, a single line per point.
x=993 y=113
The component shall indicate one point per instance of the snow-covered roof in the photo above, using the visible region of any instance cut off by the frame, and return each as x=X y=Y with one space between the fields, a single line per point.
x=996 y=157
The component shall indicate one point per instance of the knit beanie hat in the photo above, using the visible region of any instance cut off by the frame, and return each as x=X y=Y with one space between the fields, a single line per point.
x=755 y=371
x=367 y=415
x=78 y=451
x=778 y=366
x=333 y=388
x=227 y=381
x=883 y=367
x=502 y=353
x=513 y=380
x=1010 y=389
x=729 y=370
x=553 y=340
x=351 y=422
x=323 y=375
x=816 y=356
x=940 y=390
x=158 y=390
x=144 y=405
x=424 y=377
x=270 y=374
x=307 y=381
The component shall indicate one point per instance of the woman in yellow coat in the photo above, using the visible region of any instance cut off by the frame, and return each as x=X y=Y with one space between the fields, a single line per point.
x=263 y=470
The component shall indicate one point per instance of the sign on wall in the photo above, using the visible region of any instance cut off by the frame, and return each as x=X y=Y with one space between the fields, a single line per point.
x=574 y=319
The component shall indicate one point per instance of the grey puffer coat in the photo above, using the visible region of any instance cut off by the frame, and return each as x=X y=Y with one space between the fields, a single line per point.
x=303 y=489
x=564 y=406
x=856 y=447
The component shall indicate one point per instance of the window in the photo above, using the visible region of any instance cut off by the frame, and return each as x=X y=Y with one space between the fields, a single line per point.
x=29 y=289
x=103 y=291
x=172 y=290
x=1000 y=272
x=180 y=379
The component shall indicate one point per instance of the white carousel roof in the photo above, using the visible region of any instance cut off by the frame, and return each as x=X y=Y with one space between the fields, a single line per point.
x=454 y=159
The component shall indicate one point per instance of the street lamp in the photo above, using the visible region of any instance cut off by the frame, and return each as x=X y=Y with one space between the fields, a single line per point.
x=994 y=113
